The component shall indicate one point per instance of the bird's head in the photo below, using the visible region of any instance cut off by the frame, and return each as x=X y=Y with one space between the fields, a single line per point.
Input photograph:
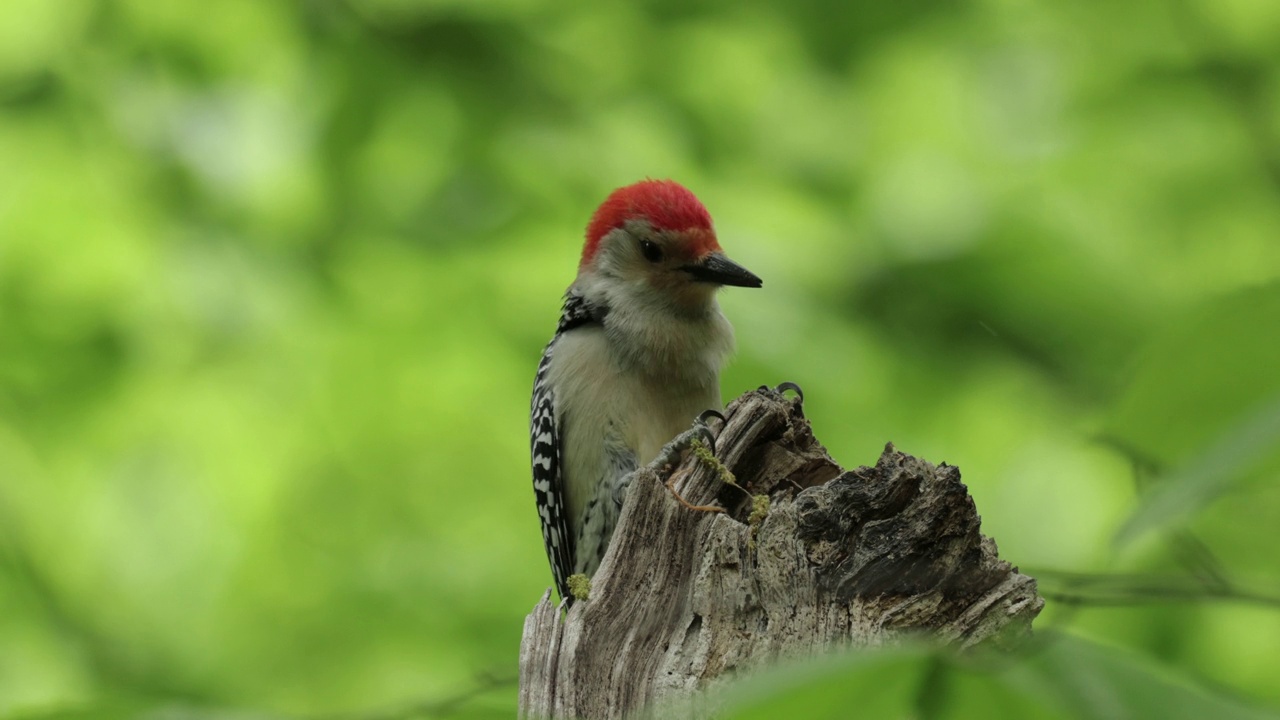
x=655 y=240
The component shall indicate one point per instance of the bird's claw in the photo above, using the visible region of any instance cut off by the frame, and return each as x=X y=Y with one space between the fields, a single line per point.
x=707 y=414
x=784 y=387
x=700 y=431
x=670 y=454
x=703 y=428
x=669 y=457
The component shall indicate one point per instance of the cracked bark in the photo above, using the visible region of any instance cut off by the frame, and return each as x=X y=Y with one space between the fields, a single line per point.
x=684 y=600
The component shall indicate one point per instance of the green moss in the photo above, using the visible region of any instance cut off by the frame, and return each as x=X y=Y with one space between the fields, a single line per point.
x=579 y=586
x=759 y=511
x=704 y=454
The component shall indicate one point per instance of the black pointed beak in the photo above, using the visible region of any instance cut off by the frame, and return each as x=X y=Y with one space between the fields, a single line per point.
x=716 y=268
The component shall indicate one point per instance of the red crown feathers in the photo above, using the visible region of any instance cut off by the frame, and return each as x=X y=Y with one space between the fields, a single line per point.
x=666 y=204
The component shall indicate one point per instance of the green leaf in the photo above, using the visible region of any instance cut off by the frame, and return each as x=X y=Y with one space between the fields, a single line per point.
x=1060 y=676
x=873 y=684
x=1203 y=409
x=1191 y=487
x=1200 y=377
x=903 y=682
x=1089 y=680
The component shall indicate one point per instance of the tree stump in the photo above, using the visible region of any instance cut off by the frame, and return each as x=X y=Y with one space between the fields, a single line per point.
x=685 y=599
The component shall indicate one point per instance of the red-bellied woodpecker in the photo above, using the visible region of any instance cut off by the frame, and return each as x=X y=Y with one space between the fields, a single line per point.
x=635 y=359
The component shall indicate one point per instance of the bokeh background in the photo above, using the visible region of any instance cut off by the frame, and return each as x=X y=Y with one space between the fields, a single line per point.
x=274 y=278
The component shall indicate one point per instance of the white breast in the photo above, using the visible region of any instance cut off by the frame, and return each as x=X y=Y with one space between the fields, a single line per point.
x=604 y=397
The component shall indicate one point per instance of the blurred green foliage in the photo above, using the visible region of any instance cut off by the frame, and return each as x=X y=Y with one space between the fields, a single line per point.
x=274 y=277
x=1061 y=677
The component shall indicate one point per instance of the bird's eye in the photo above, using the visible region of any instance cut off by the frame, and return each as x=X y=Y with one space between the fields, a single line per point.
x=651 y=251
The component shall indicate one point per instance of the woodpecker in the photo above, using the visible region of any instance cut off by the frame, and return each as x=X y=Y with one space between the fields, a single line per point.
x=636 y=357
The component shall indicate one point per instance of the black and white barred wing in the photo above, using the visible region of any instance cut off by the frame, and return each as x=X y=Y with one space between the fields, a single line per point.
x=548 y=477
x=548 y=468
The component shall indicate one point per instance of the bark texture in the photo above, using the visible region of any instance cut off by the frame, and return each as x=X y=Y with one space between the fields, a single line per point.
x=683 y=598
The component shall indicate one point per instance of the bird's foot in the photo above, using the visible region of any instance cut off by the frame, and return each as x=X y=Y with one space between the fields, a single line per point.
x=702 y=441
x=784 y=387
x=700 y=432
x=699 y=439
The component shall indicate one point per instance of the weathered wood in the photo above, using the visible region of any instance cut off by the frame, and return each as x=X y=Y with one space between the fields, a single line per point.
x=685 y=599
